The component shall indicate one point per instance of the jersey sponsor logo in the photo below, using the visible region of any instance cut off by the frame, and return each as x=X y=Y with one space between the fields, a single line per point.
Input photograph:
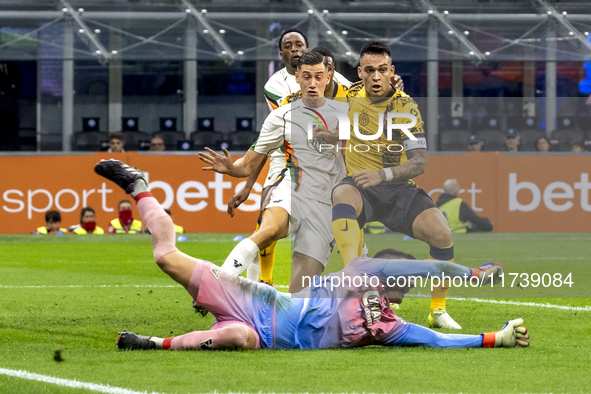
x=277 y=201
x=215 y=272
x=372 y=307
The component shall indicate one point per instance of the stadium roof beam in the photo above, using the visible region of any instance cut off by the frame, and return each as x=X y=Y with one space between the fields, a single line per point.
x=543 y=6
x=292 y=16
x=89 y=34
x=212 y=35
x=453 y=34
x=330 y=31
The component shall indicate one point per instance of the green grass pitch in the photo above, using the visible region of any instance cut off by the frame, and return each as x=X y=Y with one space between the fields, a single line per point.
x=74 y=294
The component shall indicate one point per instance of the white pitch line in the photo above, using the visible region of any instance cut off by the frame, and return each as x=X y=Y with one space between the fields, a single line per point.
x=101 y=388
x=99 y=286
x=489 y=301
x=83 y=286
x=521 y=303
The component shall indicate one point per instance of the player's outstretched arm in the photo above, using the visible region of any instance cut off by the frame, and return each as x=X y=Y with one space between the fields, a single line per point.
x=513 y=334
x=243 y=194
x=222 y=164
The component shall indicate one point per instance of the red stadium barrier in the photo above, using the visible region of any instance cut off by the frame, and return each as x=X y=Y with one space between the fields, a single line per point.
x=518 y=193
x=197 y=199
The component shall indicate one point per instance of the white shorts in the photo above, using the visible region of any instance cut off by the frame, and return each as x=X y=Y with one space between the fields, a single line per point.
x=310 y=222
x=281 y=195
x=276 y=165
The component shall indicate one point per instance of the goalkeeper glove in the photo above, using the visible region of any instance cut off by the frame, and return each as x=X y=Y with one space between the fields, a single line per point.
x=511 y=335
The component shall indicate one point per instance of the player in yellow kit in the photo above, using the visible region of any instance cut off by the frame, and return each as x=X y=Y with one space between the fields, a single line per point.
x=379 y=185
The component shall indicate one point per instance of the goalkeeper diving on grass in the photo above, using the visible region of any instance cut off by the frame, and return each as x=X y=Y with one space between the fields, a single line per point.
x=251 y=315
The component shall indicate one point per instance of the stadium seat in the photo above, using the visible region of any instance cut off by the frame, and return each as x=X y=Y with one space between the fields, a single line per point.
x=529 y=138
x=206 y=124
x=584 y=123
x=244 y=124
x=567 y=123
x=454 y=140
x=201 y=139
x=487 y=123
x=27 y=137
x=88 y=140
x=168 y=124
x=563 y=139
x=170 y=138
x=132 y=139
x=242 y=140
x=130 y=124
x=494 y=140
x=453 y=124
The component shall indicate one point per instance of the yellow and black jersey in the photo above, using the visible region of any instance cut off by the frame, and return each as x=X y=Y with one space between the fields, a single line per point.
x=381 y=152
x=340 y=93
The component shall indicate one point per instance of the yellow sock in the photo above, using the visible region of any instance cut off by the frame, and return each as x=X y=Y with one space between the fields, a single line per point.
x=439 y=294
x=438 y=297
x=360 y=248
x=346 y=234
x=267 y=260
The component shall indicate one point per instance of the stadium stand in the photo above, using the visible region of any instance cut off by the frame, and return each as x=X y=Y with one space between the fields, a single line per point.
x=89 y=140
x=563 y=139
x=529 y=138
x=170 y=138
x=201 y=139
x=454 y=140
x=494 y=140
x=133 y=139
x=454 y=134
x=242 y=140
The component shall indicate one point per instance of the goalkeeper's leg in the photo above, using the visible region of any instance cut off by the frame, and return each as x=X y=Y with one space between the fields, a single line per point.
x=231 y=336
x=176 y=264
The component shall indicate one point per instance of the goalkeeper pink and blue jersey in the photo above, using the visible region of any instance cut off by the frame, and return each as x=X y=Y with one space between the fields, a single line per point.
x=351 y=315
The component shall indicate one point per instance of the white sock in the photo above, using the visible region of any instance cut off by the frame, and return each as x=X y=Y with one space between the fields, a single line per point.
x=253 y=272
x=139 y=187
x=241 y=256
x=157 y=341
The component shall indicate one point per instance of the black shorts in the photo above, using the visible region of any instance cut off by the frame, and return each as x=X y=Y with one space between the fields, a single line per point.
x=394 y=204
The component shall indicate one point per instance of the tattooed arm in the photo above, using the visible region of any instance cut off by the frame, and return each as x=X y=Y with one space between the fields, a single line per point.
x=413 y=167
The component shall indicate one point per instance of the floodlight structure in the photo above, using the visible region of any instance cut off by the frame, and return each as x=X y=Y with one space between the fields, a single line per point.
x=449 y=31
x=209 y=33
x=561 y=18
x=86 y=32
x=330 y=31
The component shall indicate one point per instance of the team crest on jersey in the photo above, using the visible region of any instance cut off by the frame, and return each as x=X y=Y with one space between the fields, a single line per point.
x=372 y=307
x=364 y=118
